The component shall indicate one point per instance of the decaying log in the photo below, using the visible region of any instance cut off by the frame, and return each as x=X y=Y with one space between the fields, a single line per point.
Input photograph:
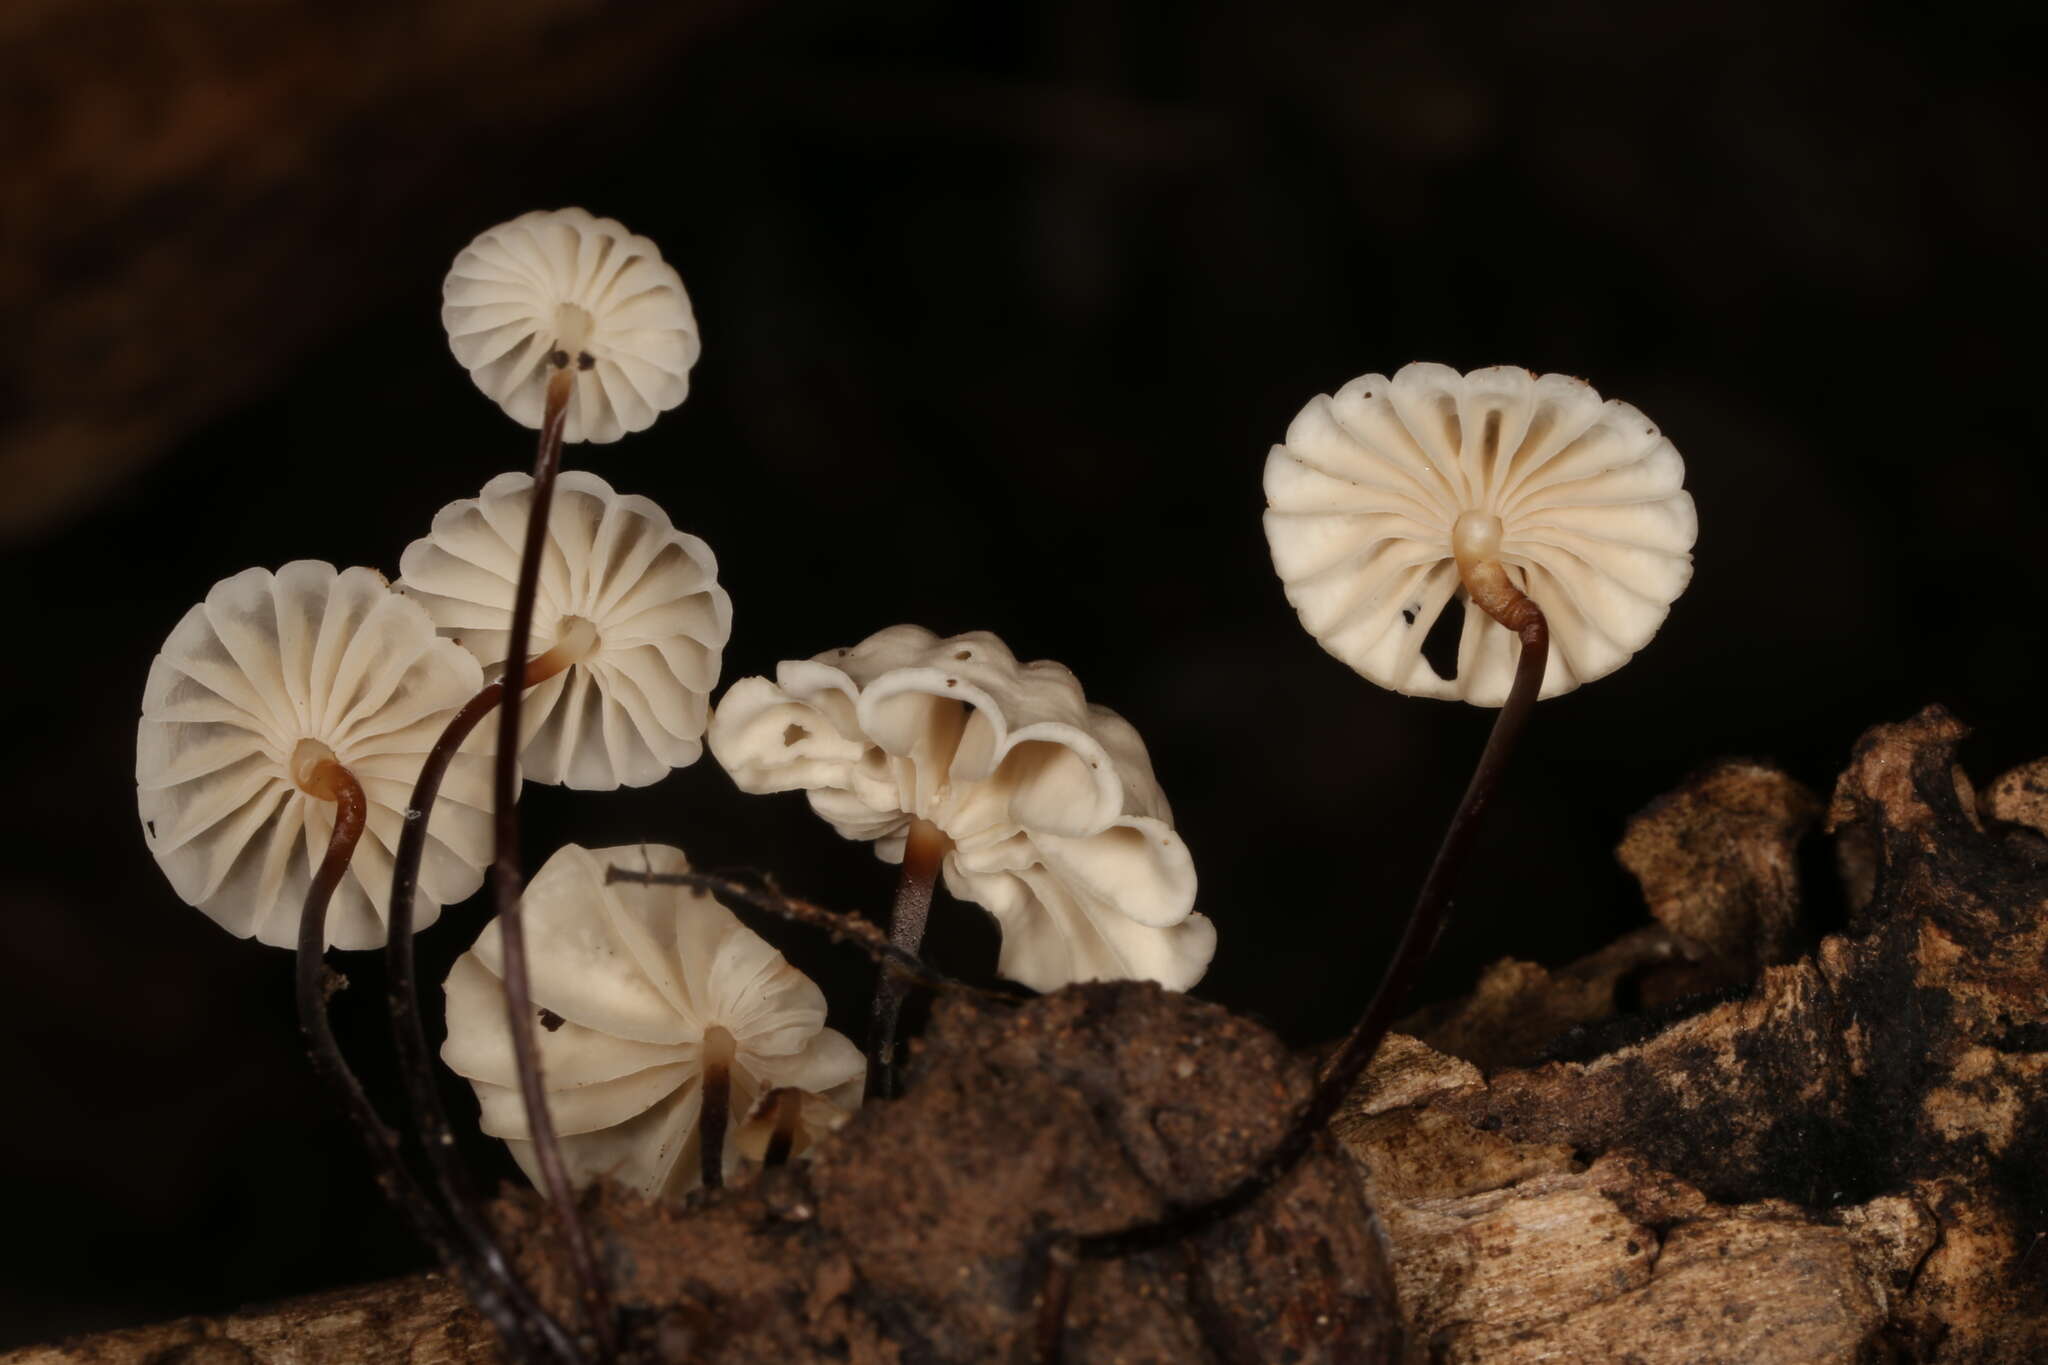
x=912 y=1235
x=421 y=1320
x=1842 y=1157
x=1849 y=1158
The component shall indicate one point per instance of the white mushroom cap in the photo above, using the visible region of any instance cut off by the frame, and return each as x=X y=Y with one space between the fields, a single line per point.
x=1593 y=523
x=628 y=980
x=618 y=582
x=1058 y=827
x=265 y=678
x=565 y=281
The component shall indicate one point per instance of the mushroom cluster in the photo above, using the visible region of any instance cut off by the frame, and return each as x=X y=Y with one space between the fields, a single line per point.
x=305 y=744
x=1044 y=805
x=664 y=1024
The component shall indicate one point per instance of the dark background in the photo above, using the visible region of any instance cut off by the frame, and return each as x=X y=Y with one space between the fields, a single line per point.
x=1002 y=307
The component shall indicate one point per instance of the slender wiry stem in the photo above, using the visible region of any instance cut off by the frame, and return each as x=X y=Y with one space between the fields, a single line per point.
x=508 y=881
x=924 y=848
x=1425 y=924
x=716 y=1113
x=331 y=781
x=430 y=1115
x=788 y=1108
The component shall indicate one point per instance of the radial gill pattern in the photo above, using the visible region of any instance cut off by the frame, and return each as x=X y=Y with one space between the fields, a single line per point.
x=1594 y=523
x=566 y=285
x=635 y=601
x=268 y=677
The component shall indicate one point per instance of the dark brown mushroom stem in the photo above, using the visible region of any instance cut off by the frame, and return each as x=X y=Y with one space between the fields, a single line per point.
x=508 y=880
x=924 y=849
x=1488 y=584
x=716 y=1114
x=527 y=1331
x=787 y=1107
x=429 y=1114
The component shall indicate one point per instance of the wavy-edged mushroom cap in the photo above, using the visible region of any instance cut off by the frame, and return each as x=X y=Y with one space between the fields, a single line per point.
x=636 y=601
x=1584 y=499
x=257 y=685
x=629 y=982
x=1058 y=827
x=567 y=282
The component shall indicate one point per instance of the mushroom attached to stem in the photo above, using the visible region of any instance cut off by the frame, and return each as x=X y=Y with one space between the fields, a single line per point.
x=1036 y=805
x=786 y=1123
x=1538 y=503
x=280 y=724
x=665 y=1021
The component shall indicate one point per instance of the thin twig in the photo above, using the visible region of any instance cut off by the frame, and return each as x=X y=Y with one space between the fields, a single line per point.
x=508 y=879
x=837 y=925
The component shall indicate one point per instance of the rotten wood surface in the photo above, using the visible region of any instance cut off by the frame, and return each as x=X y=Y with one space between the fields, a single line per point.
x=1842 y=1155
x=420 y=1320
x=1843 y=1159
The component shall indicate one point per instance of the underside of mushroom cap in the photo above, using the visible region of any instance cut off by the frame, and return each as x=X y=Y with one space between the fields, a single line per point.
x=628 y=978
x=584 y=288
x=1585 y=496
x=641 y=596
x=268 y=670
x=1055 y=821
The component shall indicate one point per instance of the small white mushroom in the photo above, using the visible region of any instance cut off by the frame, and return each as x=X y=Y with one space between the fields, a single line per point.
x=645 y=994
x=631 y=602
x=563 y=289
x=785 y=1125
x=1385 y=491
x=1044 y=806
x=258 y=687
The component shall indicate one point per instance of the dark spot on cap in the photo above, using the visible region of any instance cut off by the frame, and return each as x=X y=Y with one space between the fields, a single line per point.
x=551 y=1021
x=558 y=358
x=584 y=360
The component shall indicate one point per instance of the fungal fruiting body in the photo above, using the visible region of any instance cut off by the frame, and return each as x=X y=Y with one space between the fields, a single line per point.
x=1039 y=806
x=631 y=604
x=266 y=699
x=1393 y=499
x=1551 y=513
x=663 y=1023
x=563 y=290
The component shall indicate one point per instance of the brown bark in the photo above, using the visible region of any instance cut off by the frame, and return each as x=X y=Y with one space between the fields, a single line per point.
x=421 y=1320
x=1843 y=1158
x=1848 y=1158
